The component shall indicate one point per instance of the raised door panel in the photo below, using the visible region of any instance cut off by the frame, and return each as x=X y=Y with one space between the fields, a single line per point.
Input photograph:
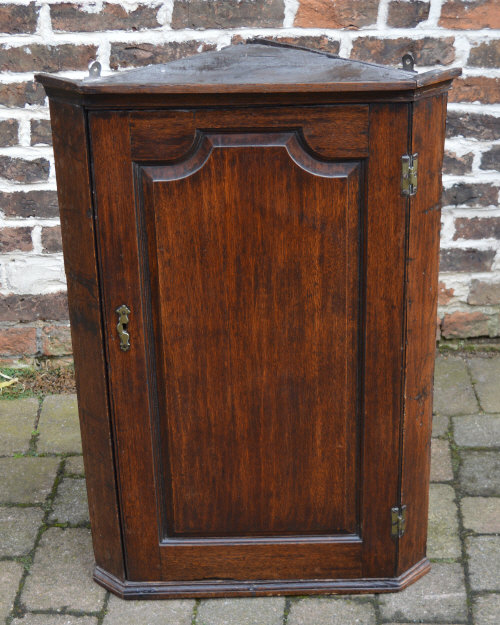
x=255 y=315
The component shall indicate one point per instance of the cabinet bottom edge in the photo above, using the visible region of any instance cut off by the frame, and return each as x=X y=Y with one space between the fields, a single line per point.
x=236 y=588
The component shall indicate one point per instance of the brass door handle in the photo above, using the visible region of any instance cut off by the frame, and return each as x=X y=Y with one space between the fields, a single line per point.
x=123 y=312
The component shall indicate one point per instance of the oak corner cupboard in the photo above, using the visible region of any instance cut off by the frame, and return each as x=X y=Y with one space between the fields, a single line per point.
x=251 y=243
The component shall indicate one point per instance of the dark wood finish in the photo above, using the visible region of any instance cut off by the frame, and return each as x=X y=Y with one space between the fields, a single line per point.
x=172 y=590
x=328 y=132
x=82 y=270
x=274 y=404
x=428 y=123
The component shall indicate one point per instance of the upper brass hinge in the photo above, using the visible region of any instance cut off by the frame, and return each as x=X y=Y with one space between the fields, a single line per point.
x=409 y=167
x=398 y=521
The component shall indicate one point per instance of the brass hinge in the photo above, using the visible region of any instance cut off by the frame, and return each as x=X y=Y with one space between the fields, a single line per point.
x=398 y=521
x=409 y=166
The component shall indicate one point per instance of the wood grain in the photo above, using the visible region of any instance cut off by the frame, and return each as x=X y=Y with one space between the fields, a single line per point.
x=82 y=271
x=429 y=117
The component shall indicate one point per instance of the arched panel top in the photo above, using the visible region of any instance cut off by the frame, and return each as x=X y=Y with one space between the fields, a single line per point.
x=204 y=144
x=329 y=132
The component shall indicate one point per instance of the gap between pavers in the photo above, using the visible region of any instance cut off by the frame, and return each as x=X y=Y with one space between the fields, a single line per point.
x=27 y=480
x=18 y=530
x=17 y=421
x=61 y=574
x=485 y=374
x=10 y=576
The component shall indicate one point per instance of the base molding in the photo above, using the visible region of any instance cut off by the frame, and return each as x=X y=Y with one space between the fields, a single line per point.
x=224 y=588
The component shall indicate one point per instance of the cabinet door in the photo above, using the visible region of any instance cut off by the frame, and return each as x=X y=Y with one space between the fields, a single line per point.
x=256 y=411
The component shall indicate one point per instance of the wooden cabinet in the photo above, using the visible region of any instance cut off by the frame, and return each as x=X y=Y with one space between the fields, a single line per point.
x=252 y=262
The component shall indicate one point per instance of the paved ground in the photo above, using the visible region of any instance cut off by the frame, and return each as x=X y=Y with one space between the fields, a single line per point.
x=45 y=548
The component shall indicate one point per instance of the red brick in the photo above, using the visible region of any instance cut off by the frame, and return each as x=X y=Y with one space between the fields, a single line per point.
x=486 y=54
x=39 y=57
x=8 y=132
x=444 y=294
x=56 y=341
x=407 y=14
x=51 y=240
x=426 y=51
x=201 y=14
x=16 y=341
x=18 y=94
x=476 y=126
x=349 y=14
x=484 y=293
x=465 y=324
x=73 y=18
x=25 y=308
x=15 y=240
x=29 y=204
x=468 y=260
x=316 y=42
x=470 y=15
x=477 y=228
x=20 y=170
x=18 y=19
x=475 y=89
x=454 y=164
x=463 y=194
x=41 y=132
x=140 y=54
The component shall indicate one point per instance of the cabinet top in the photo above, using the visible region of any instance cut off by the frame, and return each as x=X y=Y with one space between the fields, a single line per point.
x=257 y=67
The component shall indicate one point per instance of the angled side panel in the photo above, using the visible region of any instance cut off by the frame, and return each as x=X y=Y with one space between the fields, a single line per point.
x=429 y=116
x=77 y=225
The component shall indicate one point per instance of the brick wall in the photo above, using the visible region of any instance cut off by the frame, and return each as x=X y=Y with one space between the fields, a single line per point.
x=63 y=37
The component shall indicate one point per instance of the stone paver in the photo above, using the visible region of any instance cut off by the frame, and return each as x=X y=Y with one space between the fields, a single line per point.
x=484 y=562
x=441 y=469
x=74 y=466
x=439 y=595
x=59 y=426
x=70 y=504
x=10 y=576
x=172 y=612
x=442 y=539
x=481 y=514
x=26 y=480
x=486 y=375
x=67 y=584
x=18 y=530
x=480 y=473
x=487 y=610
x=453 y=392
x=331 y=611
x=440 y=425
x=17 y=420
x=55 y=619
x=477 y=431
x=254 y=611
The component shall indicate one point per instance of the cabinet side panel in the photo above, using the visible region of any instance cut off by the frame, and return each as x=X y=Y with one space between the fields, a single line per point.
x=75 y=204
x=384 y=280
x=429 y=118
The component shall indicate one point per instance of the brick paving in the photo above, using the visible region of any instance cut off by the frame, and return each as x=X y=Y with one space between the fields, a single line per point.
x=46 y=555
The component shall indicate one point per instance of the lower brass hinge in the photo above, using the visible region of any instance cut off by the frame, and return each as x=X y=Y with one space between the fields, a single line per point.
x=409 y=169
x=398 y=521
